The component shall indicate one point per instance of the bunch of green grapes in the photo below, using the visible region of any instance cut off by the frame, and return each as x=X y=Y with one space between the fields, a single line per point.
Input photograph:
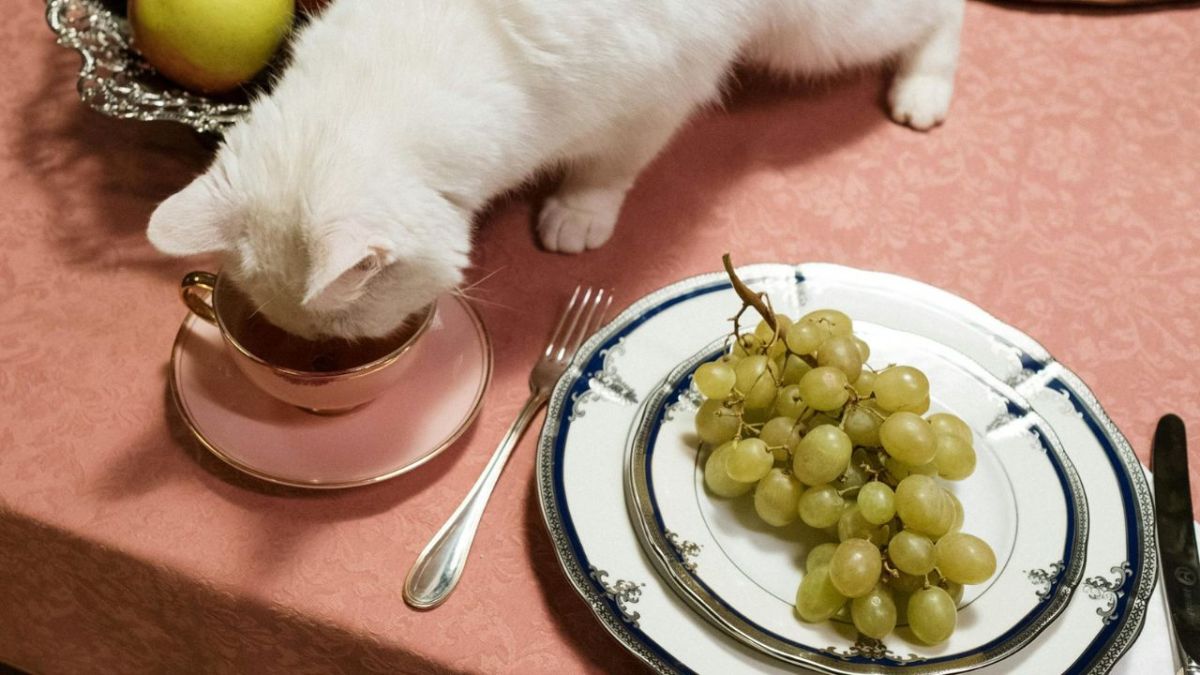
x=794 y=415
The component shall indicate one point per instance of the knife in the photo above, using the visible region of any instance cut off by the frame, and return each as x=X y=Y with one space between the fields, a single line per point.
x=1176 y=536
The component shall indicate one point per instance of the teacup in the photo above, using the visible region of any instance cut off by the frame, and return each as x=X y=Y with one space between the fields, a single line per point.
x=326 y=377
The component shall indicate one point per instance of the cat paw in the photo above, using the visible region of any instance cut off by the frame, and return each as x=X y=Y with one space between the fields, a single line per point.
x=576 y=221
x=920 y=101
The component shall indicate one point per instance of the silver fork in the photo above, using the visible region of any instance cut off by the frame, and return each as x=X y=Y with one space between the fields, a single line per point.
x=437 y=570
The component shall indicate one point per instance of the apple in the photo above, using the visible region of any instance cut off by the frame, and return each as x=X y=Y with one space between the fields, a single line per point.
x=211 y=46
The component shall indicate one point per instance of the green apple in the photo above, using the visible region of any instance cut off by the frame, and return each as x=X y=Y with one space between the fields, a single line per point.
x=210 y=46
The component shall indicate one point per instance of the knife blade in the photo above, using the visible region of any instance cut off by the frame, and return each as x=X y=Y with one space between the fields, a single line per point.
x=1176 y=536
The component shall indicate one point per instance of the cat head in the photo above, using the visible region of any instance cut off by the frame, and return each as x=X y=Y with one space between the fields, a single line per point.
x=325 y=243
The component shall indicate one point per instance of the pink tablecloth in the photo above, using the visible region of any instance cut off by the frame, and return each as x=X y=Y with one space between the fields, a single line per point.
x=1061 y=196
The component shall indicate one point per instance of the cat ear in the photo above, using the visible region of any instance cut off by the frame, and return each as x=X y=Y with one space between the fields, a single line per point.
x=342 y=264
x=193 y=220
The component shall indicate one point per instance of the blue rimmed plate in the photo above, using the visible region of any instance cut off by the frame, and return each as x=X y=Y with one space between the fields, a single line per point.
x=1024 y=498
x=594 y=408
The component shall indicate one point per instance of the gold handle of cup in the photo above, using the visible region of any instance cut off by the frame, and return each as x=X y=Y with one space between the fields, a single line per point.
x=196 y=291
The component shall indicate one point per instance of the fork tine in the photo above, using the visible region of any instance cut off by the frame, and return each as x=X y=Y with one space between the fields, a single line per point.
x=586 y=327
x=575 y=316
x=603 y=313
x=562 y=319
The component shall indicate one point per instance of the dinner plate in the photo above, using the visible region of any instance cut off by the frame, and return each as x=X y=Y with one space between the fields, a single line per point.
x=402 y=429
x=1024 y=498
x=595 y=405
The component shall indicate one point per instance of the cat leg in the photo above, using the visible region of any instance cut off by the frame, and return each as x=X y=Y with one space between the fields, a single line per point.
x=921 y=91
x=583 y=212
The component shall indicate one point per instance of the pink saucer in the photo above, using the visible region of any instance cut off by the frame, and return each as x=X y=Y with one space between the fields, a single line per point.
x=395 y=433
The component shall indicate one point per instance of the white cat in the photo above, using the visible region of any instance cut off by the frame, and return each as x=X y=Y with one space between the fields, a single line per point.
x=344 y=201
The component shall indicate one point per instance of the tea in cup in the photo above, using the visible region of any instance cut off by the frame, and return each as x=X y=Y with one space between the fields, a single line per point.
x=323 y=376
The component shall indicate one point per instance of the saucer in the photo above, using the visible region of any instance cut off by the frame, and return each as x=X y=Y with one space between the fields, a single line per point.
x=402 y=429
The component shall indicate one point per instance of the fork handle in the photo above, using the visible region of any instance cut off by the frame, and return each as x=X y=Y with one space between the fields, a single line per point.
x=437 y=570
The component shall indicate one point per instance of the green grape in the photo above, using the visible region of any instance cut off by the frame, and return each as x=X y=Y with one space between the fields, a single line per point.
x=820 y=420
x=945 y=520
x=959 y=515
x=899 y=386
x=777 y=497
x=876 y=502
x=777 y=431
x=837 y=323
x=817 y=599
x=760 y=415
x=820 y=554
x=937 y=519
x=855 y=567
x=955 y=591
x=932 y=615
x=841 y=353
x=905 y=583
x=716 y=477
x=964 y=558
x=824 y=388
x=945 y=423
x=911 y=552
x=804 y=337
x=919 y=408
x=794 y=368
x=920 y=502
x=821 y=455
x=874 y=614
x=777 y=351
x=789 y=402
x=821 y=506
x=864 y=349
x=763 y=330
x=901 y=600
x=747 y=345
x=756 y=380
x=899 y=470
x=861 y=425
x=855 y=475
x=865 y=384
x=851 y=525
x=909 y=438
x=715 y=423
x=715 y=380
x=748 y=460
x=954 y=457
x=843 y=614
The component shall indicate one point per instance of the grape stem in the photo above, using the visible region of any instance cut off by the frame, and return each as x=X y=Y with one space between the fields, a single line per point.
x=888 y=569
x=748 y=296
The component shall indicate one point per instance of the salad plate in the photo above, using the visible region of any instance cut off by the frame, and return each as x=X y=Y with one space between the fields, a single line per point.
x=594 y=409
x=1024 y=498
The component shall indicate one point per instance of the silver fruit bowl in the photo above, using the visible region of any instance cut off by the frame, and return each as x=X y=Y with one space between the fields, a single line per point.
x=116 y=81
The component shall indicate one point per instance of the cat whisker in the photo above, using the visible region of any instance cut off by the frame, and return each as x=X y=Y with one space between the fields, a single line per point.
x=474 y=298
x=263 y=305
x=479 y=282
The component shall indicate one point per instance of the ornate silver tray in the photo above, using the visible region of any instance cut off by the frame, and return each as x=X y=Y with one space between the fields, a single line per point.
x=116 y=81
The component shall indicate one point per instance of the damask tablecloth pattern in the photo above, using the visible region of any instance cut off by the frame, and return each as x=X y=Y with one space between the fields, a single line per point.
x=1061 y=195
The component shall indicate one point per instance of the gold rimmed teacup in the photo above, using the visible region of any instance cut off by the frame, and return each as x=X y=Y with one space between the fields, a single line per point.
x=326 y=377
